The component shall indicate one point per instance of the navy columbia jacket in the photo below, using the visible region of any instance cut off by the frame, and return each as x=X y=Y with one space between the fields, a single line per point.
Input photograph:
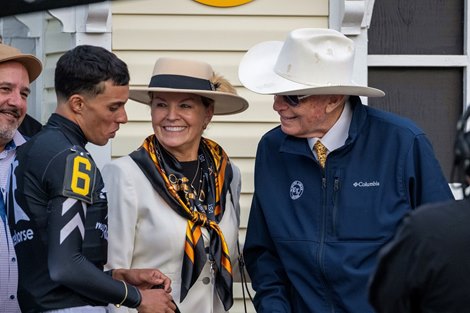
x=313 y=234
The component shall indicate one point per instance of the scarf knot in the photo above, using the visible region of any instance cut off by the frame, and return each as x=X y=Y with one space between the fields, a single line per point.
x=200 y=219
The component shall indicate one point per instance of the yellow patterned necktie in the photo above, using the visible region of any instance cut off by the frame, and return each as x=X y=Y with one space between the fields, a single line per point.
x=321 y=150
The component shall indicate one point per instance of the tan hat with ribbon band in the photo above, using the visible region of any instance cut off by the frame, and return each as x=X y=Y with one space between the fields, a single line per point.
x=30 y=62
x=187 y=76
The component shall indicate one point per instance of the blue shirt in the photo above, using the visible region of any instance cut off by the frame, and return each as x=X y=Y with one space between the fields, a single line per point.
x=8 y=262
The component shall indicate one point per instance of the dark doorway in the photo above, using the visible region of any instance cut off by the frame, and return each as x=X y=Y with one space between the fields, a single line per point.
x=432 y=96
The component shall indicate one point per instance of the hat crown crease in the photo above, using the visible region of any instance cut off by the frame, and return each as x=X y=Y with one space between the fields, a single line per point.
x=316 y=60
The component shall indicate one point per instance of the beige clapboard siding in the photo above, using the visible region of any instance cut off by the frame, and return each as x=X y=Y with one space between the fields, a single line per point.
x=259 y=111
x=245 y=198
x=238 y=139
x=257 y=7
x=220 y=33
x=238 y=294
x=141 y=63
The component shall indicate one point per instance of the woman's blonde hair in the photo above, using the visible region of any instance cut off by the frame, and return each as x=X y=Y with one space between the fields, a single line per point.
x=222 y=84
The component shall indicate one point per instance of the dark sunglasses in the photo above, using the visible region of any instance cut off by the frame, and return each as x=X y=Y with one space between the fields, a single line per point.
x=293 y=100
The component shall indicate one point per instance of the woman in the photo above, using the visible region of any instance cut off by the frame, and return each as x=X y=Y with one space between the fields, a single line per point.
x=173 y=203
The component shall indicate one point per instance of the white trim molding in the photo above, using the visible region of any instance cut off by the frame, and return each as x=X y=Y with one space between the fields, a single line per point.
x=383 y=60
x=354 y=15
x=98 y=18
x=91 y=18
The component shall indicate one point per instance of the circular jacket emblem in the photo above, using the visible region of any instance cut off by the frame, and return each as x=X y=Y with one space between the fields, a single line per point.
x=296 y=190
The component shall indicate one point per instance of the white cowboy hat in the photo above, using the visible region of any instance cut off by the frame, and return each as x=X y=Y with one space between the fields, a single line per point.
x=187 y=76
x=311 y=61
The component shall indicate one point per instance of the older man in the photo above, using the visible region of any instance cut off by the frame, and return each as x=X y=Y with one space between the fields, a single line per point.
x=331 y=182
x=17 y=71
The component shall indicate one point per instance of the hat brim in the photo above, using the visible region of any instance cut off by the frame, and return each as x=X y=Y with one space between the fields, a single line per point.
x=224 y=103
x=30 y=62
x=256 y=72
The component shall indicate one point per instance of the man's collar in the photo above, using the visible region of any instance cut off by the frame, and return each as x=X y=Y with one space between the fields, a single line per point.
x=337 y=135
x=17 y=140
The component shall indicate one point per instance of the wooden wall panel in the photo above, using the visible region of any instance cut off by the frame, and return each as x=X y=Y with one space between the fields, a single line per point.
x=259 y=111
x=417 y=27
x=433 y=102
x=141 y=63
x=129 y=137
x=256 y=7
x=203 y=33
x=238 y=139
x=247 y=170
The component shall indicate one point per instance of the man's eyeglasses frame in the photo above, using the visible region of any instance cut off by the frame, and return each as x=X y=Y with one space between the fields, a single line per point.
x=293 y=100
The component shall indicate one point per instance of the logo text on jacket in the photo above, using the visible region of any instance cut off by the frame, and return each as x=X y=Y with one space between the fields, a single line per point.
x=366 y=184
x=296 y=190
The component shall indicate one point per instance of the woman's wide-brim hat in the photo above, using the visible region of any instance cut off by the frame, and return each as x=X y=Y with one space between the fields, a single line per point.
x=187 y=76
x=32 y=64
x=311 y=61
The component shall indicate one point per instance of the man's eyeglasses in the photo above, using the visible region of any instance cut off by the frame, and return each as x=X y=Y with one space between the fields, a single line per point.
x=293 y=100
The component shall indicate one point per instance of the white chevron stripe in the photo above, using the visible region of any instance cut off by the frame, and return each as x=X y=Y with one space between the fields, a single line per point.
x=75 y=222
x=67 y=205
x=84 y=208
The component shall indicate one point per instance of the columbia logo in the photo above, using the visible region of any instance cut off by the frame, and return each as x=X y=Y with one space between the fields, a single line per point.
x=366 y=184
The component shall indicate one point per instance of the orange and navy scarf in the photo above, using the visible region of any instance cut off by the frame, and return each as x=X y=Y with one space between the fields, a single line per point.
x=157 y=164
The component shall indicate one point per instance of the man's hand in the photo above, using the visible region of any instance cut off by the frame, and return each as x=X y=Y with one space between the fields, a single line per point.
x=143 y=278
x=156 y=301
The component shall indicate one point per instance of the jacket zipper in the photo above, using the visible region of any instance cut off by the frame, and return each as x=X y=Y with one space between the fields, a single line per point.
x=335 y=203
x=322 y=242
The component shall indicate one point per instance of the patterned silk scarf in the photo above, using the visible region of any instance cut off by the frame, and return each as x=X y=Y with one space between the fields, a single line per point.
x=158 y=165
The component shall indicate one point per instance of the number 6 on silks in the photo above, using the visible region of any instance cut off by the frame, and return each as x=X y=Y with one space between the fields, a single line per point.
x=80 y=172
